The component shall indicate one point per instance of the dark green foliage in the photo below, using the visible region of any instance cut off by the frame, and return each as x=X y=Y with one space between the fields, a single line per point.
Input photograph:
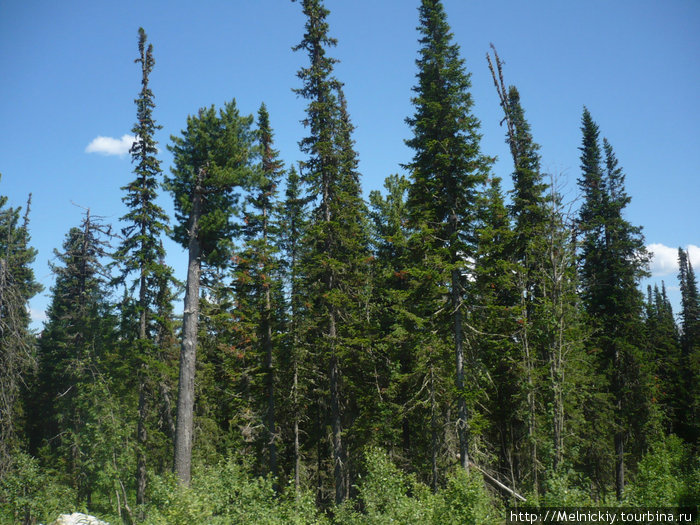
x=257 y=287
x=294 y=361
x=83 y=421
x=664 y=355
x=17 y=286
x=472 y=346
x=393 y=321
x=335 y=266
x=217 y=145
x=499 y=375
x=612 y=261
x=212 y=160
x=446 y=171
x=141 y=252
x=690 y=349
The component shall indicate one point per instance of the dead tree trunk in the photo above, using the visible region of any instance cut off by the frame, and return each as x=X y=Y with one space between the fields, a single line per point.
x=184 y=426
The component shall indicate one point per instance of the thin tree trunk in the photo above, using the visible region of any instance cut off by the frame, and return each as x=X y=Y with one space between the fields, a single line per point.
x=531 y=407
x=531 y=421
x=267 y=343
x=557 y=401
x=167 y=409
x=319 y=452
x=297 y=458
x=141 y=434
x=619 y=433
x=185 y=399
x=338 y=460
x=459 y=358
x=619 y=465
x=295 y=382
x=141 y=438
x=433 y=430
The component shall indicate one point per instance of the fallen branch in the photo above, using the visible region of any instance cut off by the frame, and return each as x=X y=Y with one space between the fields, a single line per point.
x=496 y=482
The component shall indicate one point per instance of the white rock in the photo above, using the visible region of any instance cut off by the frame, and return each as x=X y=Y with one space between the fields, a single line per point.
x=77 y=518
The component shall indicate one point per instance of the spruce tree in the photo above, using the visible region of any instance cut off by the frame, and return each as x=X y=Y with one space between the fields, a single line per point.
x=446 y=171
x=530 y=217
x=17 y=355
x=498 y=319
x=690 y=347
x=338 y=247
x=78 y=351
x=211 y=160
x=141 y=250
x=293 y=215
x=258 y=283
x=612 y=260
x=664 y=356
x=393 y=323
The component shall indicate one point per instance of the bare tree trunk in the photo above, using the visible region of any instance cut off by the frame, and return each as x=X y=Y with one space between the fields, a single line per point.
x=141 y=434
x=619 y=432
x=267 y=343
x=185 y=399
x=459 y=358
x=167 y=409
x=433 y=430
x=531 y=415
x=297 y=458
x=619 y=465
x=338 y=459
x=556 y=363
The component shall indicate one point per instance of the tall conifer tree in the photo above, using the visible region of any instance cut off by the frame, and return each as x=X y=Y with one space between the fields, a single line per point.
x=141 y=250
x=17 y=286
x=664 y=356
x=338 y=247
x=446 y=171
x=258 y=282
x=293 y=215
x=690 y=346
x=612 y=260
x=211 y=160
x=78 y=342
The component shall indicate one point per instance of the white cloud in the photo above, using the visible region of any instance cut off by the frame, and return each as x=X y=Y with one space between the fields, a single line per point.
x=37 y=316
x=665 y=259
x=110 y=146
x=694 y=254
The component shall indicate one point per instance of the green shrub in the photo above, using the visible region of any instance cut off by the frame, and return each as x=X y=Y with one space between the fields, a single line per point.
x=387 y=495
x=667 y=475
x=466 y=501
x=228 y=495
x=565 y=489
x=30 y=493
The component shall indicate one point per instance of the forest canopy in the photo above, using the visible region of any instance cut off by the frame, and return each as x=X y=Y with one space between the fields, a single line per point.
x=430 y=354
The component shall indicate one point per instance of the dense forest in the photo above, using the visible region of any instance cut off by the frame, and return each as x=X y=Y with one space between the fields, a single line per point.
x=429 y=355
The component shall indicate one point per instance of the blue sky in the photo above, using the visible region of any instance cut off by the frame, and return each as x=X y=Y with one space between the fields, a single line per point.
x=68 y=77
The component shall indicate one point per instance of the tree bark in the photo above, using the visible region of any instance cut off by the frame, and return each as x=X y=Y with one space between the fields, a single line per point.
x=184 y=427
x=267 y=344
x=619 y=432
x=141 y=434
x=297 y=457
x=338 y=460
x=142 y=437
x=433 y=431
x=459 y=359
